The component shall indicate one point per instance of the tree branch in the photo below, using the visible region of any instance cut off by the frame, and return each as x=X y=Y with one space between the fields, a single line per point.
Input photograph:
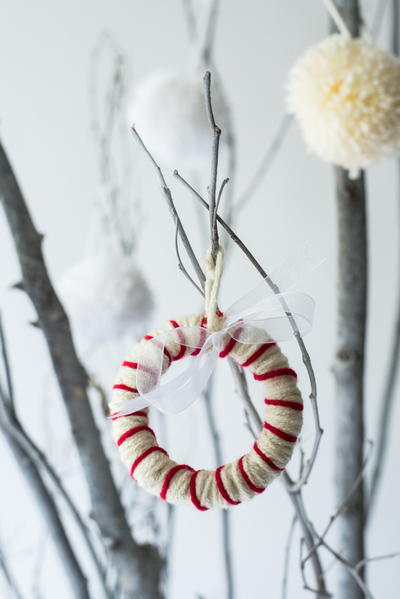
x=214 y=168
x=138 y=567
x=388 y=396
x=45 y=504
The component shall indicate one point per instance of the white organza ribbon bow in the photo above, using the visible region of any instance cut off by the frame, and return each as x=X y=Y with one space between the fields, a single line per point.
x=259 y=316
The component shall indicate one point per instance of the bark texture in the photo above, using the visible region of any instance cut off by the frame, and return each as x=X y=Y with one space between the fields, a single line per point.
x=138 y=567
x=349 y=373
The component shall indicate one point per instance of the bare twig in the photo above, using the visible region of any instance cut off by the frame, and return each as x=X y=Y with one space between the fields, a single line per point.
x=214 y=167
x=225 y=514
x=209 y=38
x=286 y=563
x=15 y=592
x=6 y=363
x=380 y=9
x=168 y=196
x=265 y=164
x=388 y=396
x=343 y=505
x=139 y=567
x=181 y=266
x=191 y=20
x=45 y=504
x=15 y=429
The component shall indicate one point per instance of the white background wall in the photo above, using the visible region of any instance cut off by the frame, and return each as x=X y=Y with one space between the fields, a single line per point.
x=45 y=50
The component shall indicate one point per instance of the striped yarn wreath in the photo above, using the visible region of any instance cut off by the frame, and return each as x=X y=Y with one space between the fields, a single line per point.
x=230 y=484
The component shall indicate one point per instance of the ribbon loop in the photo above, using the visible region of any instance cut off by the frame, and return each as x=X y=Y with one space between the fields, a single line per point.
x=259 y=316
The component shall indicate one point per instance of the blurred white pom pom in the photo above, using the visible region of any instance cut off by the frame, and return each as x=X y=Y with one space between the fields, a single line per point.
x=106 y=298
x=169 y=112
x=345 y=94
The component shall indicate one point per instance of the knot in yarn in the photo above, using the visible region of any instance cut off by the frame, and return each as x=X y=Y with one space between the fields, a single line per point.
x=213 y=281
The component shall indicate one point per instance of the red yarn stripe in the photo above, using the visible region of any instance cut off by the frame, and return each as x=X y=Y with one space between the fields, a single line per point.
x=295 y=405
x=166 y=352
x=202 y=339
x=280 y=433
x=275 y=373
x=192 y=489
x=221 y=487
x=203 y=321
x=133 y=431
x=125 y=388
x=246 y=477
x=117 y=415
x=266 y=459
x=169 y=476
x=181 y=338
x=259 y=352
x=132 y=365
x=219 y=313
x=144 y=455
x=228 y=348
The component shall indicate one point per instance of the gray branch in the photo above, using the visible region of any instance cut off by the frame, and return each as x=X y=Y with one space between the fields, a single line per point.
x=44 y=502
x=350 y=355
x=9 y=577
x=349 y=371
x=139 y=568
x=388 y=396
x=216 y=131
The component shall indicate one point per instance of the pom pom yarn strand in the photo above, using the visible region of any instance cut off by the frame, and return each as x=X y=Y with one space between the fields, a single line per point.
x=230 y=484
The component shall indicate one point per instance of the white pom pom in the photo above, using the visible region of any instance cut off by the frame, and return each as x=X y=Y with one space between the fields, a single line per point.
x=106 y=297
x=170 y=115
x=346 y=95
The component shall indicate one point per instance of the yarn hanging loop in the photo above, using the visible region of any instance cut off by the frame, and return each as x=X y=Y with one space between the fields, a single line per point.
x=214 y=269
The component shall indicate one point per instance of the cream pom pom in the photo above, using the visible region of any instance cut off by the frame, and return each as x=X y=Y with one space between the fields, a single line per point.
x=345 y=93
x=106 y=297
x=169 y=112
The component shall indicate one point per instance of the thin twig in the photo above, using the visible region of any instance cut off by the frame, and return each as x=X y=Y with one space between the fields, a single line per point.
x=214 y=167
x=168 y=196
x=286 y=562
x=342 y=506
x=6 y=363
x=14 y=428
x=209 y=38
x=225 y=514
x=265 y=164
x=377 y=20
x=181 y=266
x=15 y=592
x=45 y=504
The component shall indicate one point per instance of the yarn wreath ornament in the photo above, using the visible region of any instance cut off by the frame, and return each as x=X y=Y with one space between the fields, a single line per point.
x=243 y=333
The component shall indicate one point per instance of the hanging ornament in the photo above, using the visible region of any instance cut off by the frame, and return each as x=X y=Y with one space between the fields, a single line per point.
x=247 y=332
x=106 y=298
x=345 y=94
x=169 y=112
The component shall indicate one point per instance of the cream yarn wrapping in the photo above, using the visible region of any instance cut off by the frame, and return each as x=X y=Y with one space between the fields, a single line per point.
x=229 y=484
